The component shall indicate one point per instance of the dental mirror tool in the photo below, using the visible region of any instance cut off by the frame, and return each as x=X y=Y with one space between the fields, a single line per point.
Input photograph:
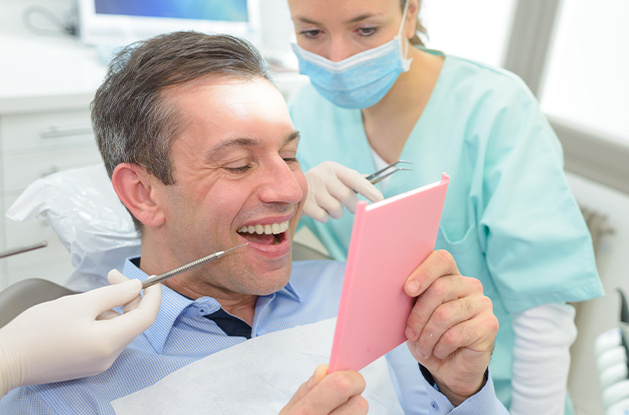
x=154 y=279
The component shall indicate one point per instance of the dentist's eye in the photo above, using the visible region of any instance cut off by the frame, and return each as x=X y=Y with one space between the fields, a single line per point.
x=310 y=34
x=290 y=160
x=367 y=31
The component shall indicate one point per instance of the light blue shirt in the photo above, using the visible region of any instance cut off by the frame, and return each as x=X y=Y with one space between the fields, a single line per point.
x=509 y=217
x=181 y=335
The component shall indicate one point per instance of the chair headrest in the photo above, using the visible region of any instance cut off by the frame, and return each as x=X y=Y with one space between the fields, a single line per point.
x=89 y=219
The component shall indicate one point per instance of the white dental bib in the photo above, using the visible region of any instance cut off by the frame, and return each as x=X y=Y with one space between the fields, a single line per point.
x=258 y=376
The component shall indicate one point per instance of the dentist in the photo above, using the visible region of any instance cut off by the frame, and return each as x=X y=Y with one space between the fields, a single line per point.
x=377 y=95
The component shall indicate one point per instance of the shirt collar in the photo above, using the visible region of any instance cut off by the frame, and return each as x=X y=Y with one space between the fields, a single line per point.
x=173 y=304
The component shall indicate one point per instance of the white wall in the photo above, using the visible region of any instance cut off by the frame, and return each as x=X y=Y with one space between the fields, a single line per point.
x=11 y=14
x=596 y=316
x=277 y=28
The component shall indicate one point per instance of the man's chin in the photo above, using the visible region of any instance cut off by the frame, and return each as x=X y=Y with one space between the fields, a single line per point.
x=265 y=283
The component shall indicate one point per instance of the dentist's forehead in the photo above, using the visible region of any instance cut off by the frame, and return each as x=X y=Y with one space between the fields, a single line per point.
x=349 y=11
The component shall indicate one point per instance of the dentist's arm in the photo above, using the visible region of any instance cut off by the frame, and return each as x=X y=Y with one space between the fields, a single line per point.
x=76 y=335
x=332 y=186
x=541 y=359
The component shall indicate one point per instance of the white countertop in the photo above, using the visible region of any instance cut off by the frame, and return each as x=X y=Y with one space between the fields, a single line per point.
x=41 y=73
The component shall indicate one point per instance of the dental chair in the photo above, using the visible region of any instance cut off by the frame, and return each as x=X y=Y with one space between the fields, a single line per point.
x=93 y=225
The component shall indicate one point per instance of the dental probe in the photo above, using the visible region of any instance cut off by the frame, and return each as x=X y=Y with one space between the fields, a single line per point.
x=154 y=279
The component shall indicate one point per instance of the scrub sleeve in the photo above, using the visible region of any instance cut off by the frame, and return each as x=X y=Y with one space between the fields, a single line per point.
x=509 y=217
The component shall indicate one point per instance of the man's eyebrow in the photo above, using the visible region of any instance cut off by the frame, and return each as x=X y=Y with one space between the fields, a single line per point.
x=234 y=142
x=246 y=142
x=292 y=136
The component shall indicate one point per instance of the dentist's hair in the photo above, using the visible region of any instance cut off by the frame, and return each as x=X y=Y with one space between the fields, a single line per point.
x=133 y=122
x=419 y=27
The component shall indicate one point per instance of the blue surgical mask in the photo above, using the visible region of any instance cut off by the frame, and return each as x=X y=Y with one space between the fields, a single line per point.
x=361 y=80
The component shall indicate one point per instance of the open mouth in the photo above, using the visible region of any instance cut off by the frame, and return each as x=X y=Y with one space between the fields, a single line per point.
x=267 y=234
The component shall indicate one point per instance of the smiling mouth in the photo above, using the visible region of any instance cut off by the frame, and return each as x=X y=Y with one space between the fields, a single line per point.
x=267 y=234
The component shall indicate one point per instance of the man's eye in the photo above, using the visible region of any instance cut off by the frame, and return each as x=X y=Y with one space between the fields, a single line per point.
x=310 y=34
x=290 y=160
x=239 y=169
x=367 y=31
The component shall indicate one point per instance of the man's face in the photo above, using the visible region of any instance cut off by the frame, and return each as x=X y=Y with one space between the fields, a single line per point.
x=235 y=171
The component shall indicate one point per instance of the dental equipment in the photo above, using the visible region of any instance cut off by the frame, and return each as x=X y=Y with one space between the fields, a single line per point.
x=20 y=250
x=154 y=279
x=384 y=173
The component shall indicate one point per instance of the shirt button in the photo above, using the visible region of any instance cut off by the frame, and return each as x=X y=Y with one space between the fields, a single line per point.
x=434 y=406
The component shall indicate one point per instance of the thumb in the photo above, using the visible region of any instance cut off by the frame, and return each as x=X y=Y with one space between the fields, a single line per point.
x=320 y=372
x=116 y=277
x=106 y=298
x=135 y=321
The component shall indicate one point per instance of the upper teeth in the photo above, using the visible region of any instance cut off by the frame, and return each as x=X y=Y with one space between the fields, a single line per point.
x=274 y=228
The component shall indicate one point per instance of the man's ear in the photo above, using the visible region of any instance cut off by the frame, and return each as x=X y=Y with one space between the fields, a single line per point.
x=137 y=190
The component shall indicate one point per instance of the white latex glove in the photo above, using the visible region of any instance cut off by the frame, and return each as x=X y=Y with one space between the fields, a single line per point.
x=76 y=335
x=332 y=185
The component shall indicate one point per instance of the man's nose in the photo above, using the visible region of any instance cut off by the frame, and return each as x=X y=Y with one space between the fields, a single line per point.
x=281 y=184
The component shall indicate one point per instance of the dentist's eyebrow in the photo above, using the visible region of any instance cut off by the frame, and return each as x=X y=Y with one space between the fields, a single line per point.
x=361 y=17
x=358 y=18
x=304 y=19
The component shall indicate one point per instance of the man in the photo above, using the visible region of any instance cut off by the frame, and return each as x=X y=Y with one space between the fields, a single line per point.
x=201 y=150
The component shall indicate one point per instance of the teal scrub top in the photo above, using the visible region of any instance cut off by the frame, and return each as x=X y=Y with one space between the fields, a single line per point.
x=509 y=217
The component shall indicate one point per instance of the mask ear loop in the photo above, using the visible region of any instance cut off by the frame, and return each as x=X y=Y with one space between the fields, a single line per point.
x=402 y=28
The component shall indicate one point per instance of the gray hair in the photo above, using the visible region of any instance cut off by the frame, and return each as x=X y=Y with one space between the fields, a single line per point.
x=132 y=121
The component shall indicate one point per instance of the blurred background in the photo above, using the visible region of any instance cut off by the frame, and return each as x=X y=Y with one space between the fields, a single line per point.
x=573 y=54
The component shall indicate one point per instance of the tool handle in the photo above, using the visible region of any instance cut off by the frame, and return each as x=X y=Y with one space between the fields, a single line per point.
x=20 y=250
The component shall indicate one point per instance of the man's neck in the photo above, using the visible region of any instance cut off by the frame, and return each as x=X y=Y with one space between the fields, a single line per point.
x=242 y=306
x=191 y=284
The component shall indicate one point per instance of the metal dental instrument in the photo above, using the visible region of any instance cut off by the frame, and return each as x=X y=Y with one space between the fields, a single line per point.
x=16 y=251
x=154 y=279
x=387 y=171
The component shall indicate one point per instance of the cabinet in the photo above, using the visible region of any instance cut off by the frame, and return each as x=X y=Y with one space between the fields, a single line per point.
x=35 y=145
x=45 y=92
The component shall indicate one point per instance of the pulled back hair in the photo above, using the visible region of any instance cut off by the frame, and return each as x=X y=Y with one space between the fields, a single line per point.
x=419 y=27
x=133 y=122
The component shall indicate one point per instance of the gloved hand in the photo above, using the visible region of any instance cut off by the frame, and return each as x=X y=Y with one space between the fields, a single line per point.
x=76 y=335
x=332 y=185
